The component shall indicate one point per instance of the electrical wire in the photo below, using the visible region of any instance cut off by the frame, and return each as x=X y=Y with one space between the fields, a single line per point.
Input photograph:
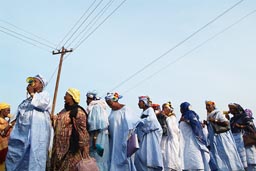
x=21 y=35
x=65 y=57
x=100 y=24
x=190 y=51
x=76 y=23
x=92 y=23
x=83 y=22
x=24 y=40
x=45 y=40
x=177 y=45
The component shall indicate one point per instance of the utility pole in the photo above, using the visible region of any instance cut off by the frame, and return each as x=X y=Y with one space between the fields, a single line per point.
x=62 y=52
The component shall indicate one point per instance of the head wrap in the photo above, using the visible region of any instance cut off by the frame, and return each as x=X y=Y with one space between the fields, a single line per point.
x=92 y=95
x=113 y=96
x=39 y=77
x=185 y=106
x=146 y=100
x=4 y=105
x=155 y=106
x=210 y=102
x=238 y=107
x=75 y=93
x=248 y=112
x=167 y=104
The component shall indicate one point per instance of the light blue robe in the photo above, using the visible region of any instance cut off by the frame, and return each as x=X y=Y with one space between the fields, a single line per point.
x=149 y=156
x=98 y=120
x=30 y=137
x=223 y=146
x=120 y=123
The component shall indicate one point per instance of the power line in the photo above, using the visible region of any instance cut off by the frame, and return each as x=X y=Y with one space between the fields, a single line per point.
x=83 y=22
x=94 y=20
x=76 y=23
x=100 y=24
x=192 y=50
x=26 y=41
x=89 y=35
x=47 y=41
x=21 y=35
x=177 y=45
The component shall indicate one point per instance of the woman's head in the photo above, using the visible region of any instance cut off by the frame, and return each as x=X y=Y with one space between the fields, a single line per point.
x=72 y=96
x=4 y=109
x=210 y=106
x=184 y=107
x=37 y=83
x=112 y=100
x=144 y=102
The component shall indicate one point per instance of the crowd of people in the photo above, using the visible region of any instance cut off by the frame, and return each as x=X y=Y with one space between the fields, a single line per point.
x=35 y=140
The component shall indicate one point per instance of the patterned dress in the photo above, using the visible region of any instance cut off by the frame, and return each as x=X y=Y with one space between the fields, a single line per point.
x=3 y=143
x=62 y=158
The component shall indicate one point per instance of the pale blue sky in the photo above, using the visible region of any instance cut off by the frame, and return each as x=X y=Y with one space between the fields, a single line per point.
x=222 y=70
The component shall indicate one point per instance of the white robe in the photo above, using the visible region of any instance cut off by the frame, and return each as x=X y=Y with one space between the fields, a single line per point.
x=170 y=145
x=98 y=120
x=193 y=155
x=120 y=123
x=30 y=138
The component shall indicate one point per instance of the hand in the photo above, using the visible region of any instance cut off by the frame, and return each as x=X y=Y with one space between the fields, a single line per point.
x=30 y=89
x=211 y=120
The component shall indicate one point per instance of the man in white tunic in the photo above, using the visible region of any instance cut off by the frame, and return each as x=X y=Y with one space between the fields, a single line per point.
x=30 y=138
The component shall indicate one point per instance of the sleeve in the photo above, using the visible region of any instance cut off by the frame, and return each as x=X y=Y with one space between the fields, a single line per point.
x=97 y=118
x=41 y=101
x=80 y=123
x=172 y=125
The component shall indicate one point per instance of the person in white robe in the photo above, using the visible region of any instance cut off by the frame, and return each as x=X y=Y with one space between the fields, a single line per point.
x=149 y=156
x=30 y=138
x=194 y=153
x=222 y=145
x=98 y=130
x=121 y=122
x=170 y=143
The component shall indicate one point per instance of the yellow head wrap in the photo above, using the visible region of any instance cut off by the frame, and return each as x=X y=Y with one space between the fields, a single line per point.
x=75 y=93
x=4 y=105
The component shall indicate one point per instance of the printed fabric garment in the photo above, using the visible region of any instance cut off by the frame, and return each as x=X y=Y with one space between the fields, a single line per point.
x=62 y=158
x=222 y=146
x=149 y=155
x=30 y=137
x=3 y=143
x=120 y=123
x=98 y=121
x=170 y=145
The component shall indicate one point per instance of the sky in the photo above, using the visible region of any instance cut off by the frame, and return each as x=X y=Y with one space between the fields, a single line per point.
x=170 y=50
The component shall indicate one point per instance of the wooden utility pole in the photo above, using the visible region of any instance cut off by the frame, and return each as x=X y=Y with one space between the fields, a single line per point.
x=62 y=52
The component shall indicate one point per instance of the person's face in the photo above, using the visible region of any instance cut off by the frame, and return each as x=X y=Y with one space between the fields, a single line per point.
x=232 y=110
x=5 y=112
x=166 y=110
x=110 y=103
x=209 y=107
x=88 y=100
x=38 y=86
x=68 y=99
x=141 y=104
